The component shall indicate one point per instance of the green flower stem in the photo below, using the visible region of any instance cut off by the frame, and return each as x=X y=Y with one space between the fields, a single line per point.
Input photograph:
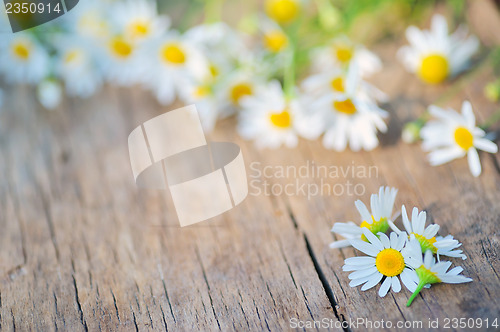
x=420 y=286
x=289 y=75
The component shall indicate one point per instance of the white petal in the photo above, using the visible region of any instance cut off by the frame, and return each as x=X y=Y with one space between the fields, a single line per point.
x=408 y=280
x=373 y=239
x=365 y=247
x=485 y=145
x=362 y=273
x=431 y=231
x=468 y=114
x=396 y=285
x=373 y=281
x=384 y=240
x=384 y=288
x=474 y=163
x=363 y=211
x=406 y=222
x=363 y=260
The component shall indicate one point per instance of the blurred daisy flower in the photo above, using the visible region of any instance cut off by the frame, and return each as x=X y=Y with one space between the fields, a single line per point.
x=274 y=39
x=341 y=52
x=378 y=221
x=124 y=63
x=90 y=20
x=427 y=272
x=283 y=11
x=139 y=19
x=350 y=115
x=240 y=84
x=434 y=55
x=49 y=93
x=426 y=236
x=386 y=259
x=171 y=61
x=272 y=119
x=23 y=59
x=455 y=135
x=77 y=67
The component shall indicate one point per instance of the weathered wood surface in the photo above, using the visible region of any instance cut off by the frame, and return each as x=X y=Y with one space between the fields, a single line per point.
x=81 y=248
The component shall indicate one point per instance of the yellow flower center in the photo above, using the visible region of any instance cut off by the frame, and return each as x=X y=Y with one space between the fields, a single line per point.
x=343 y=53
x=345 y=106
x=282 y=11
x=425 y=243
x=201 y=91
x=281 y=120
x=214 y=71
x=464 y=138
x=121 y=48
x=138 y=29
x=172 y=53
x=21 y=51
x=377 y=226
x=240 y=90
x=275 y=41
x=434 y=69
x=338 y=84
x=73 y=56
x=390 y=262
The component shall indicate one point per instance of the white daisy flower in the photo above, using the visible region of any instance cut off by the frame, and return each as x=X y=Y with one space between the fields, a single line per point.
x=350 y=117
x=271 y=119
x=434 y=55
x=333 y=82
x=207 y=102
x=90 y=19
x=427 y=272
x=426 y=236
x=235 y=87
x=172 y=60
x=283 y=11
x=23 y=59
x=77 y=67
x=274 y=39
x=455 y=135
x=341 y=52
x=124 y=62
x=139 y=19
x=378 y=221
x=386 y=260
x=49 y=93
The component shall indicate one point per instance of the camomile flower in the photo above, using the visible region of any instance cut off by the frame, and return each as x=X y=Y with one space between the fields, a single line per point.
x=350 y=117
x=123 y=62
x=205 y=95
x=90 y=20
x=333 y=81
x=427 y=272
x=434 y=55
x=271 y=119
x=172 y=60
x=274 y=39
x=236 y=86
x=386 y=259
x=341 y=52
x=283 y=11
x=23 y=59
x=455 y=135
x=49 y=93
x=139 y=19
x=77 y=67
x=378 y=221
x=426 y=236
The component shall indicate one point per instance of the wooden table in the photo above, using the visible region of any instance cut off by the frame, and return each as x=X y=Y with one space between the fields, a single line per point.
x=81 y=248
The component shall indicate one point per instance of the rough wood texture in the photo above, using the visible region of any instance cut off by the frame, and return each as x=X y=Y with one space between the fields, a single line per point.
x=82 y=249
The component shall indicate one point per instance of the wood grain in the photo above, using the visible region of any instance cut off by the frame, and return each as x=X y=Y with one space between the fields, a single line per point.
x=82 y=249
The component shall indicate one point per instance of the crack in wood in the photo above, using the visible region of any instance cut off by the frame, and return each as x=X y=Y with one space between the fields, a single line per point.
x=208 y=285
x=79 y=305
